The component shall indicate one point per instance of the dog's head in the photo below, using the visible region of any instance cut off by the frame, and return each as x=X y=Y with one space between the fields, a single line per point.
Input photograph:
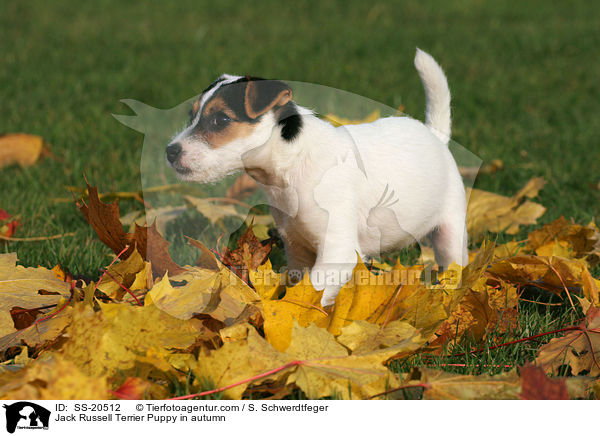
x=233 y=116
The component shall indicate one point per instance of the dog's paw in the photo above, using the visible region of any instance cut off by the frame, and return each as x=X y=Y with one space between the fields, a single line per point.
x=327 y=301
x=330 y=293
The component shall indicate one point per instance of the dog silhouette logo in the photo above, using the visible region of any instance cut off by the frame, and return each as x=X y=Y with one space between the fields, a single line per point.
x=26 y=415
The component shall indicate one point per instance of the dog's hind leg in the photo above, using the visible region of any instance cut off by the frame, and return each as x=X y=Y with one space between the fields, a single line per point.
x=450 y=242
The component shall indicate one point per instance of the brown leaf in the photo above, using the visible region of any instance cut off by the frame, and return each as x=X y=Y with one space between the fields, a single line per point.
x=155 y=249
x=482 y=309
x=579 y=241
x=580 y=349
x=104 y=219
x=41 y=334
x=242 y=187
x=23 y=318
x=249 y=255
x=207 y=259
x=535 y=385
x=442 y=385
x=550 y=273
x=20 y=148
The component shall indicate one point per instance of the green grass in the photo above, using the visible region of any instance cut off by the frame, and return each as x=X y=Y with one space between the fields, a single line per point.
x=524 y=80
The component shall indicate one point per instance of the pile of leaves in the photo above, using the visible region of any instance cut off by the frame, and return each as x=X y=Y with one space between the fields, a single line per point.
x=228 y=326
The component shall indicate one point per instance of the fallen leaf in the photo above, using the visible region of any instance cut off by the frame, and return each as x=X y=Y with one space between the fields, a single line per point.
x=237 y=361
x=213 y=211
x=19 y=287
x=472 y=172
x=340 y=121
x=537 y=386
x=242 y=187
x=7 y=226
x=566 y=239
x=326 y=369
x=52 y=378
x=361 y=337
x=133 y=273
x=489 y=212
x=20 y=148
x=266 y=282
x=249 y=255
x=448 y=386
x=42 y=333
x=550 y=273
x=207 y=259
x=160 y=216
x=104 y=219
x=199 y=294
x=580 y=349
x=301 y=303
x=483 y=309
x=378 y=299
x=23 y=318
x=133 y=388
x=123 y=338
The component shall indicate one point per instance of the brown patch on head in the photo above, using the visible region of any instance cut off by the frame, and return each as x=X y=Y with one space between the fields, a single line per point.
x=216 y=104
x=234 y=128
x=195 y=108
x=264 y=95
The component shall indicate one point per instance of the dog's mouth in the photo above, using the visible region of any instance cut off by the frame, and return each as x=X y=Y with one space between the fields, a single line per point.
x=181 y=170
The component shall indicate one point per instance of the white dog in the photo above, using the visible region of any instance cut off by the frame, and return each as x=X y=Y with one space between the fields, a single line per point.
x=334 y=192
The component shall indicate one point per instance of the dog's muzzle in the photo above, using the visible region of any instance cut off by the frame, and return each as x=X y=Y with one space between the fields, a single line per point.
x=173 y=152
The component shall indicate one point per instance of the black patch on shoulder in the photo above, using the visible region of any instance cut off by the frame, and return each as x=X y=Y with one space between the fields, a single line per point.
x=290 y=121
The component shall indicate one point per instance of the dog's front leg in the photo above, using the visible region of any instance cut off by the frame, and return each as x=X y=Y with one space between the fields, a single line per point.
x=336 y=257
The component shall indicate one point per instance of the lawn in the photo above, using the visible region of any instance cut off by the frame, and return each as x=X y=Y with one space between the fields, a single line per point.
x=524 y=79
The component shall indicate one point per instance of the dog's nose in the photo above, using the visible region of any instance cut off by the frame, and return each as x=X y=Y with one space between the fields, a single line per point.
x=173 y=151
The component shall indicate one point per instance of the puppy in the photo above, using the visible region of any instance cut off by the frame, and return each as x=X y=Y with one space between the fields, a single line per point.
x=335 y=192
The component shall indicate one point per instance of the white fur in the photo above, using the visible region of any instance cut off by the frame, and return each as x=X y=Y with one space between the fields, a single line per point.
x=364 y=189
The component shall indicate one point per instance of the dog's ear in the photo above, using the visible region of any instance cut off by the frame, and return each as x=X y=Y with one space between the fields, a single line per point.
x=263 y=95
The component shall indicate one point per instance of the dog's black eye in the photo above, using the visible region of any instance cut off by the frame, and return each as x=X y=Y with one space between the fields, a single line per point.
x=219 y=121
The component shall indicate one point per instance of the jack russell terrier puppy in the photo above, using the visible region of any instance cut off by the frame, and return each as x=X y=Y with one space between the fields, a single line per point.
x=334 y=192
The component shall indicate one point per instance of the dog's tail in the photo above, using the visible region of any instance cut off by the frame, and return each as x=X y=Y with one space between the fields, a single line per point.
x=437 y=95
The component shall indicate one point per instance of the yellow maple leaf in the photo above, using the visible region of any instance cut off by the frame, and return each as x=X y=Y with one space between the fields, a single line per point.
x=42 y=332
x=237 y=361
x=19 y=287
x=220 y=293
x=266 y=282
x=550 y=273
x=133 y=273
x=52 y=378
x=566 y=239
x=491 y=212
x=362 y=337
x=120 y=337
x=326 y=369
